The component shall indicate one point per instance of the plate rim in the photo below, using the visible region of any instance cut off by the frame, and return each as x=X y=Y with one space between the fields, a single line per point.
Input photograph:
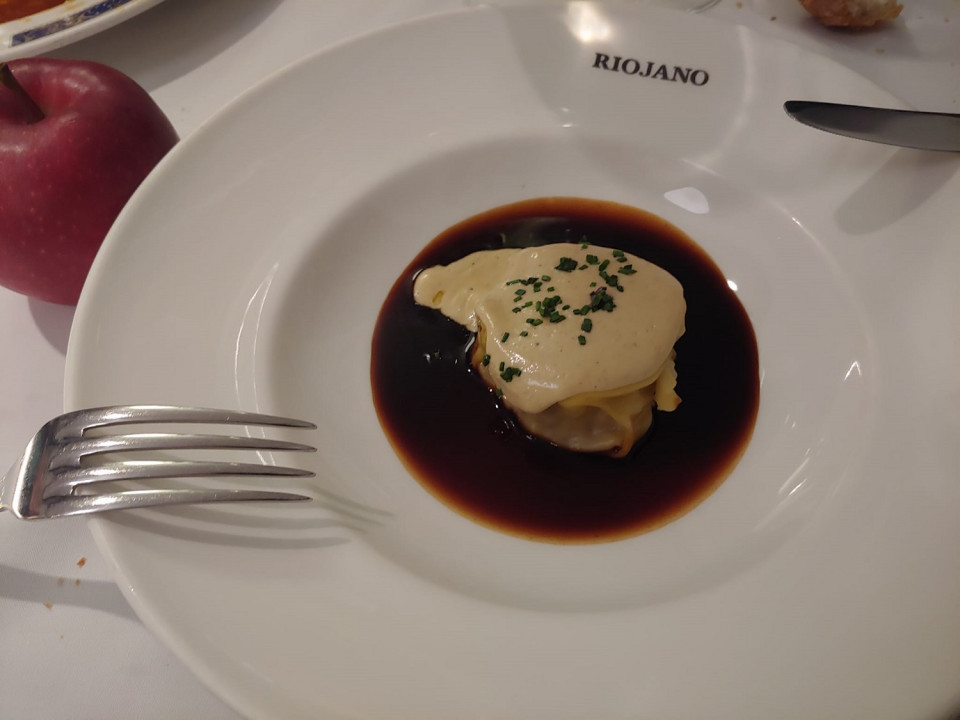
x=63 y=25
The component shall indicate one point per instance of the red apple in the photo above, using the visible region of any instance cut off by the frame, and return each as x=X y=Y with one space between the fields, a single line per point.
x=76 y=139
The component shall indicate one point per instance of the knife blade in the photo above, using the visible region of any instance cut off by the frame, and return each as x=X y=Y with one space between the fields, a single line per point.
x=906 y=128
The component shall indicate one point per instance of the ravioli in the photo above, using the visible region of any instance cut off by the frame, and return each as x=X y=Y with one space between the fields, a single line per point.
x=576 y=339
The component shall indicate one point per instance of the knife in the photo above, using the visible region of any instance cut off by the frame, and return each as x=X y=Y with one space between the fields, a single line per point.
x=906 y=128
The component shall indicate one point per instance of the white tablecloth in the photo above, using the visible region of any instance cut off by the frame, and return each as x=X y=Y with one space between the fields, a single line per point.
x=70 y=647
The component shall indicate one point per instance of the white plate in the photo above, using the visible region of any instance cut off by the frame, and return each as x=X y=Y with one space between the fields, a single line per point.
x=821 y=580
x=64 y=24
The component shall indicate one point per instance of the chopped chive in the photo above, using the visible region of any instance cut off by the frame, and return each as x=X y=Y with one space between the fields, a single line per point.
x=486 y=360
x=516 y=309
x=523 y=333
x=510 y=373
x=527 y=304
x=503 y=338
x=581 y=339
x=604 y=265
x=549 y=306
x=566 y=264
x=600 y=300
x=519 y=292
x=551 y=289
x=593 y=284
x=565 y=307
x=593 y=259
x=499 y=392
x=586 y=325
x=627 y=270
x=535 y=321
x=502 y=365
x=545 y=278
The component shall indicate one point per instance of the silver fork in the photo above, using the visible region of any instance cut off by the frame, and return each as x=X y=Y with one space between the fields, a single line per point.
x=58 y=473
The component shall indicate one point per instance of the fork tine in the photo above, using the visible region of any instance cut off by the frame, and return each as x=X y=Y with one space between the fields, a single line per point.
x=132 y=499
x=45 y=479
x=74 y=423
x=67 y=480
x=72 y=453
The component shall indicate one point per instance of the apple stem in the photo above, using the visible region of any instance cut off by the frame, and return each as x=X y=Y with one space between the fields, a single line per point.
x=10 y=82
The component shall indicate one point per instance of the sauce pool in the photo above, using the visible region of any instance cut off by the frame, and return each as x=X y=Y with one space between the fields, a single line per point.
x=468 y=450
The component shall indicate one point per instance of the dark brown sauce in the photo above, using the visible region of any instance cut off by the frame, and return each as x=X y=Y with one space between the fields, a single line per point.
x=465 y=448
x=15 y=9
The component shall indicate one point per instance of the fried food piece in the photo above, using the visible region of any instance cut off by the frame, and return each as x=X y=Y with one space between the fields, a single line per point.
x=852 y=13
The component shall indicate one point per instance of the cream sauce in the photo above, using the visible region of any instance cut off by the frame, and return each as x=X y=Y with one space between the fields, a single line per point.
x=561 y=353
